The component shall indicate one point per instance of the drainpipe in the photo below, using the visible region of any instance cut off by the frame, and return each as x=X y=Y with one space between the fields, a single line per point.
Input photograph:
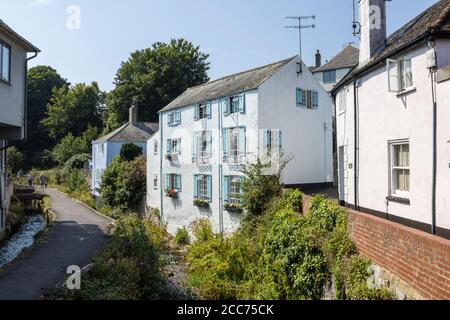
x=220 y=146
x=356 y=143
x=25 y=116
x=434 y=176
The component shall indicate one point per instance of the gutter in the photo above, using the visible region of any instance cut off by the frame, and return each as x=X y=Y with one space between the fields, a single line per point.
x=356 y=143
x=433 y=74
x=25 y=116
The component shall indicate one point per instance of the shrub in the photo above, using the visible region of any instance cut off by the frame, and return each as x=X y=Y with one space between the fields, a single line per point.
x=202 y=230
x=130 y=151
x=76 y=162
x=182 y=237
x=15 y=159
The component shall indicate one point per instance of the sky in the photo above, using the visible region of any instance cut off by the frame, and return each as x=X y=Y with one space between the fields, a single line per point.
x=238 y=34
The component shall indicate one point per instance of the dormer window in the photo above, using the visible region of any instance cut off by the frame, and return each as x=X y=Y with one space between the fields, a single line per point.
x=5 y=62
x=202 y=111
x=329 y=76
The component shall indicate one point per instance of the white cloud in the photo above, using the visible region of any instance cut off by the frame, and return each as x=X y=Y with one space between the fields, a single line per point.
x=40 y=2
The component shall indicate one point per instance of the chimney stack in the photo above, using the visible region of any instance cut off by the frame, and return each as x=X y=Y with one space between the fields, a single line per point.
x=372 y=17
x=133 y=115
x=318 y=59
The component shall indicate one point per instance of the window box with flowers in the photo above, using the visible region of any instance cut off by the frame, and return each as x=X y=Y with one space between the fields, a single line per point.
x=171 y=193
x=201 y=203
x=233 y=207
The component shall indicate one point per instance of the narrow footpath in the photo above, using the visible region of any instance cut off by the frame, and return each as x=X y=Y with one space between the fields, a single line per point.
x=77 y=234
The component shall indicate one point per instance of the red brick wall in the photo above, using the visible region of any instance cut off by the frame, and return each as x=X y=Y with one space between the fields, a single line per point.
x=418 y=258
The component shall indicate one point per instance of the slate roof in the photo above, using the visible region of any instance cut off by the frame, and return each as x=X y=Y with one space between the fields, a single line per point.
x=347 y=58
x=227 y=86
x=131 y=133
x=433 y=21
x=18 y=38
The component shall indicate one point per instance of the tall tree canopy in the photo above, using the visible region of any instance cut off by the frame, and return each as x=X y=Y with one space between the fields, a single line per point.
x=41 y=82
x=154 y=77
x=72 y=110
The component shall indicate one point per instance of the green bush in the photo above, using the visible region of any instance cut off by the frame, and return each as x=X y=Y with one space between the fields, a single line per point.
x=130 y=151
x=182 y=237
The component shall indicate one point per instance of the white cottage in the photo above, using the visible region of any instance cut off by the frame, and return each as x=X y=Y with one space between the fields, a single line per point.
x=393 y=116
x=209 y=132
x=105 y=149
x=14 y=58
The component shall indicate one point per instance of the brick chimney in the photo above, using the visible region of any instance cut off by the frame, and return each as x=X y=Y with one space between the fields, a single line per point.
x=318 y=59
x=133 y=115
x=372 y=17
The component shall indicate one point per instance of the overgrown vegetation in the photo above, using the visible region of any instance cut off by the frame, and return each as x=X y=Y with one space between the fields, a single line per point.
x=279 y=253
x=129 y=268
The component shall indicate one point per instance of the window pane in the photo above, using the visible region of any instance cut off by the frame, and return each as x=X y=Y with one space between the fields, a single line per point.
x=5 y=63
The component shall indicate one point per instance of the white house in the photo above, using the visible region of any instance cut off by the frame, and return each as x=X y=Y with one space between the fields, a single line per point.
x=105 y=149
x=393 y=116
x=209 y=132
x=337 y=68
x=13 y=101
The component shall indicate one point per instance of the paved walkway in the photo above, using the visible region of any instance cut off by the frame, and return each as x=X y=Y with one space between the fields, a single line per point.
x=78 y=233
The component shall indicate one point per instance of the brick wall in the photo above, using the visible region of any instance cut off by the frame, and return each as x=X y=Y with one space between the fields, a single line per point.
x=418 y=258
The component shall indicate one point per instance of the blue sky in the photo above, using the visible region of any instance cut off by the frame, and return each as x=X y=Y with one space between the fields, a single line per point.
x=238 y=34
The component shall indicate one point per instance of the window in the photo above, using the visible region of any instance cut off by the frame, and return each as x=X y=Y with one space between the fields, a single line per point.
x=400 y=76
x=174 y=119
x=272 y=141
x=329 y=76
x=202 y=111
x=174 y=146
x=235 y=104
x=5 y=60
x=173 y=182
x=203 y=187
x=400 y=169
x=234 y=144
x=202 y=146
x=155 y=182
x=307 y=99
x=343 y=100
x=155 y=147
x=232 y=189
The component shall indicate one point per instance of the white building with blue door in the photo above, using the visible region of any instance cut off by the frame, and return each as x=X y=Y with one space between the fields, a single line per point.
x=105 y=149
x=211 y=131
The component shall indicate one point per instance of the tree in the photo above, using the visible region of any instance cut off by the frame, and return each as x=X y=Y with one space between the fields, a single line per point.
x=42 y=80
x=73 y=110
x=155 y=76
x=16 y=159
x=130 y=151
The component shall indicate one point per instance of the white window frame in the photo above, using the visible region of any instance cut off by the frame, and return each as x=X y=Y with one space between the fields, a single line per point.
x=397 y=75
x=155 y=181
x=176 y=147
x=202 y=111
x=202 y=187
x=8 y=61
x=343 y=100
x=233 y=139
x=234 y=189
x=155 y=147
x=394 y=191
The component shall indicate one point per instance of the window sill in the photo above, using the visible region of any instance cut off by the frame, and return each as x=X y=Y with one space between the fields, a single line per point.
x=406 y=91
x=5 y=82
x=398 y=199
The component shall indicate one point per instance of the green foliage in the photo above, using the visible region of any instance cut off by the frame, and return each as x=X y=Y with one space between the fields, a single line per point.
x=73 y=110
x=15 y=159
x=182 y=237
x=155 y=76
x=130 y=151
x=124 y=183
x=127 y=269
x=259 y=188
x=41 y=82
x=76 y=162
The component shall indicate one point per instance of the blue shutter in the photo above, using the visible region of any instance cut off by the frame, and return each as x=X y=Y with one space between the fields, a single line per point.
x=209 y=187
x=315 y=98
x=225 y=142
x=195 y=186
x=266 y=140
x=169 y=120
x=177 y=182
x=299 y=97
x=169 y=146
x=178 y=118
x=167 y=185
x=226 y=189
x=242 y=141
x=209 y=143
x=208 y=110
x=242 y=103
x=195 y=147
x=225 y=107
x=179 y=145
x=196 y=112
x=280 y=140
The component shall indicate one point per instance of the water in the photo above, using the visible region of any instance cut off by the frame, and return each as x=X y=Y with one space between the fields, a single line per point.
x=22 y=239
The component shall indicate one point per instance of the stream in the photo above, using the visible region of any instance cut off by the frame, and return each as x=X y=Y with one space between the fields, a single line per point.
x=22 y=239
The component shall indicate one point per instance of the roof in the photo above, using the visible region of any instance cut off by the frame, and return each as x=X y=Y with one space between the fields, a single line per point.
x=227 y=86
x=433 y=21
x=131 y=133
x=347 y=58
x=18 y=38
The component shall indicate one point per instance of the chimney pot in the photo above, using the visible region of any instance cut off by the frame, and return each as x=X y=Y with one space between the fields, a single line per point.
x=133 y=115
x=318 y=59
